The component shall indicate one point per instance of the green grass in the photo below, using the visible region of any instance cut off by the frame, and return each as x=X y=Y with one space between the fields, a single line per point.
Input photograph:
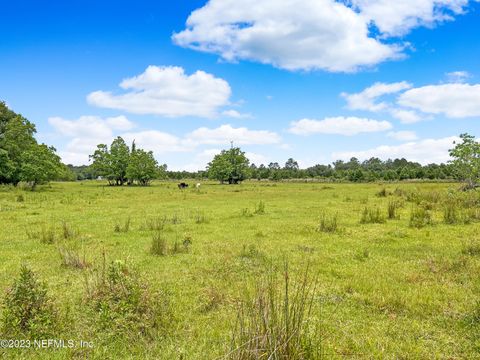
x=383 y=289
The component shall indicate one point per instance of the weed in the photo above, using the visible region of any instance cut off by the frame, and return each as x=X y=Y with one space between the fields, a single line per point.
x=157 y=223
x=71 y=258
x=123 y=302
x=260 y=208
x=28 y=309
x=382 y=193
x=273 y=324
x=472 y=249
x=67 y=231
x=246 y=212
x=420 y=217
x=200 y=217
x=159 y=244
x=20 y=198
x=125 y=227
x=328 y=223
x=372 y=216
x=392 y=207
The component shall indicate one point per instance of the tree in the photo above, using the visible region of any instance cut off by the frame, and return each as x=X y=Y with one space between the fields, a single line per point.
x=40 y=164
x=466 y=160
x=230 y=166
x=142 y=167
x=112 y=164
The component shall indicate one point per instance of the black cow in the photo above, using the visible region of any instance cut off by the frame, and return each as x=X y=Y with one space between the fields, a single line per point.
x=182 y=185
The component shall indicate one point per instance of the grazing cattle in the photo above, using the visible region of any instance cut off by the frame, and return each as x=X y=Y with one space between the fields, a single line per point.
x=197 y=186
x=182 y=185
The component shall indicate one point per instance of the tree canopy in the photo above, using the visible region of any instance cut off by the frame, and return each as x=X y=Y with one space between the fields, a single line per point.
x=230 y=166
x=22 y=158
x=119 y=164
x=466 y=160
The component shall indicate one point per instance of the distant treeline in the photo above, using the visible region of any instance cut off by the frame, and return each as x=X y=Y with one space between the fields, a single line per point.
x=353 y=170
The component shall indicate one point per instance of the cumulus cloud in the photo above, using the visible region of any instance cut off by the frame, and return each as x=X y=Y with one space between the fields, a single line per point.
x=310 y=34
x=406 y=116
x=395 y=18
x=367 y=99
x=167 y=91
x=90 y=126
x=338 y=125
x=404 y=135
x=452 y=100
x=226 y=133
x=424 y=151
x=290 y=34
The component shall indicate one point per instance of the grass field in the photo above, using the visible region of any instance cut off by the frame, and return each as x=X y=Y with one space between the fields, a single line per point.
x=401 y=287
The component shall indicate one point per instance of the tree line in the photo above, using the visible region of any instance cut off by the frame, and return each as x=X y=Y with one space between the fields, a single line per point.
x=23 y=159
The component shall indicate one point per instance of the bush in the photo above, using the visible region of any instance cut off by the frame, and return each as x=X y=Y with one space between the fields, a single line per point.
x=328 y=224
x=372 y=216
x=123 y=303
x=28 y=310
x=274 y=323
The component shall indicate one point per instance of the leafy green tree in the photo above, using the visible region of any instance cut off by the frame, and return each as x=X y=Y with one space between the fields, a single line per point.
x=40 y=164
x=466 y=160
x=112 y=164
x=142 y=167
x=230 y=166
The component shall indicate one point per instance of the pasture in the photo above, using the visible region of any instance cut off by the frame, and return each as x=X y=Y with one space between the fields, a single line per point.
x=392 y=270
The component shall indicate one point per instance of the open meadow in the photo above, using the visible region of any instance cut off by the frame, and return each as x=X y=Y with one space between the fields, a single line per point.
x=374 y=270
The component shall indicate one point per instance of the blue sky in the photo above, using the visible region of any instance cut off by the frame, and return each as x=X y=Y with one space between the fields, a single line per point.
x=315 y=80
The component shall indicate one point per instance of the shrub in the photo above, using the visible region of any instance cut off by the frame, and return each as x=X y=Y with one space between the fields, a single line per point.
x=328 y=223
x=28 y=310
x=372 y=216
x=123 y=303
x=420 y=217
x=273 y=324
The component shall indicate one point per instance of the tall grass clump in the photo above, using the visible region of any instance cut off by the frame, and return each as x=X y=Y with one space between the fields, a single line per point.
x=392 y=209
x=159 y=244
x=259 y=208
x=420 y=217
x=125 y=227
x=156 y=223
x=372 y=216
x=274 y=322
x=71 y=258
x=67 y=231
x=123 y=303
x=328 y=223
x=28 y=310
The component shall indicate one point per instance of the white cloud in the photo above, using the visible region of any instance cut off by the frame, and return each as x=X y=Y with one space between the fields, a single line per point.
x=424 y=151
x=366 y=99
x=226 y=133
x=406 y=116
x=236 y=115
x=90 y=126
x=167 y=91
x=394 y=18
x=157 y=141
x=289 y=34
x=452 y=100
x=256 y=159
x=404 y=135
x=458 y=76
x=311 y=34
x=338 y=125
